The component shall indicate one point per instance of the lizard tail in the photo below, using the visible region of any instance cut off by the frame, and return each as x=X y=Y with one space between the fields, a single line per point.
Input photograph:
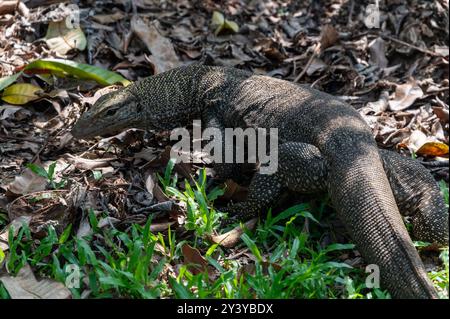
x=362 y=196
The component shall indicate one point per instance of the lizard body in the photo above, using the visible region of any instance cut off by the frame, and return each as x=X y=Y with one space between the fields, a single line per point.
x=349 y=160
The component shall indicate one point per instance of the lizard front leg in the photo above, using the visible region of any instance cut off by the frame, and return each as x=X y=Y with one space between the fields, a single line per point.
x=300 y=168
x=215 y=127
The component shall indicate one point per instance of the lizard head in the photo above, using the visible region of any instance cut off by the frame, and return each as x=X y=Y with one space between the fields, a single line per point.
x=111 y=113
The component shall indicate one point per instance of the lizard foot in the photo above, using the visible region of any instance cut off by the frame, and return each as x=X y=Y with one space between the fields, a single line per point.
x=238 y=212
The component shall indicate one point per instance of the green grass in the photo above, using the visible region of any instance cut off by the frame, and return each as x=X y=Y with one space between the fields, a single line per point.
x=287 y=262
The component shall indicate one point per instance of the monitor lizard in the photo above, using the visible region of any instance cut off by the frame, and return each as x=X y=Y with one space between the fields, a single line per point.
x=345 y=157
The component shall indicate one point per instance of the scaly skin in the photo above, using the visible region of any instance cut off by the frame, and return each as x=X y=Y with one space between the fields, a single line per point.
x=302 y=169
x=356 y=180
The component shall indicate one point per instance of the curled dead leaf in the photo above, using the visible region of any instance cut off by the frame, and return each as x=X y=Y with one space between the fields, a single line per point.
x=25 y=286
x=405 y=95
x=26 y=183
x=195 y=261
x=421 y=144
x=163 y=56
x=234 y=191
x=377 y=49
x=62 y=39
x=45 y=208
x=88 y=164
x=232 y=238
x=328 y=37
x=109 y=18
x=433 y=149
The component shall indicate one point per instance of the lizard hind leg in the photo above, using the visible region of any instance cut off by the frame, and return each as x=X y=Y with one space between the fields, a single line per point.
x=418 y=196
x=302 y=169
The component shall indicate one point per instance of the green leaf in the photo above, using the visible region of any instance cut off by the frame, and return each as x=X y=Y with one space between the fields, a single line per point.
x=82 y=71
x=292 y=211
x=211 y=249
x=2 y=255
x=216 y=265
x=334 y=247
x=111 y=281
x=65 y=235
x=251 y=244
x=93 y=220
x=333 y=264
x=97 y=175
x=38 y=170
x=168 y=171
x=51 y=170
x=215 y=193
x=421 y=243
x=231 y=25
x=8 y=80
x=180 y=290
x=21 y=93
x=219 y=23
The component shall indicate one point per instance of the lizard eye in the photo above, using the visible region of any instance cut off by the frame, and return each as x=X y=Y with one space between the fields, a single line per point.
x=111 y=112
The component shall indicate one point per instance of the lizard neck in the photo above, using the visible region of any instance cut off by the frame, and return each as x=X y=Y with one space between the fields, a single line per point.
x=169 y=100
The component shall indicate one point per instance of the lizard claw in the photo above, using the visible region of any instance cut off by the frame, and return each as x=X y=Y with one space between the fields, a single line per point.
x=238 y=212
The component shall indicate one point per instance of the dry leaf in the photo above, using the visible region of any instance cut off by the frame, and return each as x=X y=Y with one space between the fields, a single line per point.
x=150 y=183
x=163 y=54
x=45 y=208
x=315 y=66
x=160 y=227
x=194 y=260
x=234 y=191
x=328 y=37
x=89 y=164
x=377 y=49
x=62 y=39
x=147 y=153
x=433 y=149
x=232 y=238
x=16 y=112
x=26 y=183
x=405 y=95
x=25 y=286
x=420 y=144
x=109 y=18
x=378 y=106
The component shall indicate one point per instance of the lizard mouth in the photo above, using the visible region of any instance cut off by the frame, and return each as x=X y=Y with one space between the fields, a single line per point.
x=80 y=131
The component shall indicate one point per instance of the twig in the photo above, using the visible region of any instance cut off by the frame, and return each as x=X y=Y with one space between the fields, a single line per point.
x=38 y=3
x=426 y=51
x=316 y=51
x=435 y=164
x=350 y=13
x=23 y=9
x=89 y=149
x=8 y=137
x=39 y=151
x=318 y=80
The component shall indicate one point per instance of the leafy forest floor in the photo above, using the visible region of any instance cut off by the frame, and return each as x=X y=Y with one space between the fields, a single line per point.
x=115 y=217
